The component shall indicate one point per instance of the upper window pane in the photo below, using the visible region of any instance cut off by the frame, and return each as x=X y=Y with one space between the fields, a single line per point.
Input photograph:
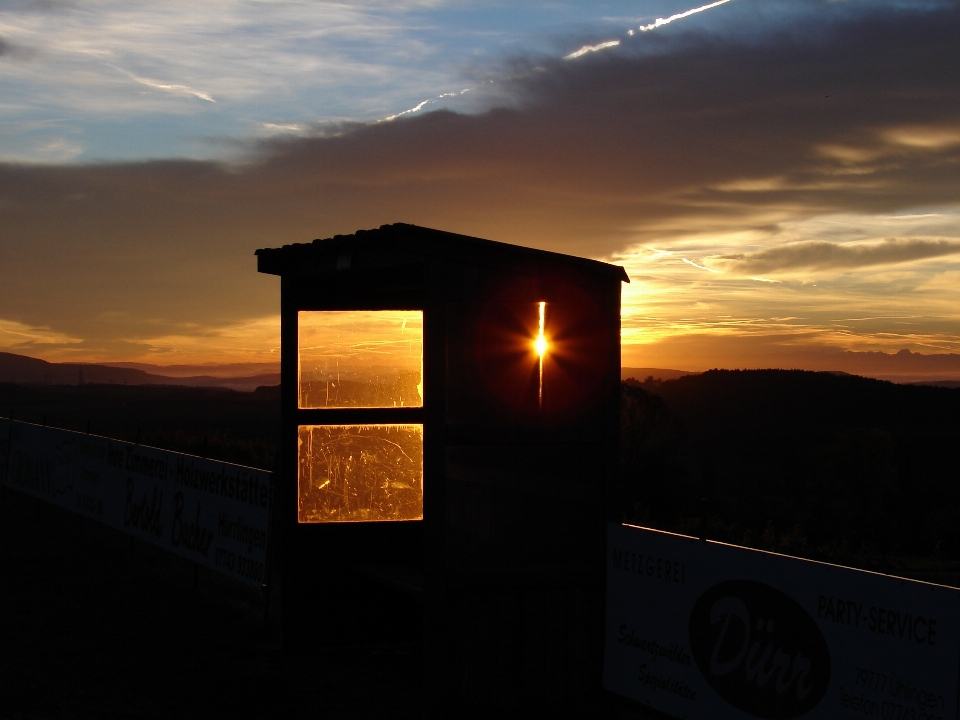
x=360 y=358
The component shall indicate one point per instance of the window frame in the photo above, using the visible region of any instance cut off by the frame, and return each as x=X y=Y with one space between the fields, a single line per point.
x=350 y=416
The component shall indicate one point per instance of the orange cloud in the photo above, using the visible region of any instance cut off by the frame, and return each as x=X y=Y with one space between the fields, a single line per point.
x=733 y=155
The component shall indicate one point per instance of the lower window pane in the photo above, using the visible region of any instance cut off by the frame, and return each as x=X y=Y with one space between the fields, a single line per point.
x=360 y=473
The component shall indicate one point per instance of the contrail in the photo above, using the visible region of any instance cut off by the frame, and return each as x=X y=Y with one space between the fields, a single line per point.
x=643 y=28
x=679 y=16
x=657 y=254
x=691 y=262
x=166 y=87
x=591 y=48
x=572 y=56
x=289 y=127
x=419 y=107
x=176 y=89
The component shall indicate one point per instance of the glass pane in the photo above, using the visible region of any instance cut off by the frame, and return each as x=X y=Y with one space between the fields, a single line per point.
x=360 y=358
x=360 y=473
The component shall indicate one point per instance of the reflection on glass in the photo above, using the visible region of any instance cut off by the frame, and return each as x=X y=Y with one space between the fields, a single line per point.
x=541 y=345
x=365 y=358
x=359 y=473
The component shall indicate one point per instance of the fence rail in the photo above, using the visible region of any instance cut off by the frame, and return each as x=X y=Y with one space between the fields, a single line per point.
x=213 y=513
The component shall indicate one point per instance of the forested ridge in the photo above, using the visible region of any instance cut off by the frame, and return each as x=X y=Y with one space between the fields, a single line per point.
x=237 y=427
x=829 y=466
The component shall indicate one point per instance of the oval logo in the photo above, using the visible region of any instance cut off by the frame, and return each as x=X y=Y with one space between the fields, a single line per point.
x=759 y=649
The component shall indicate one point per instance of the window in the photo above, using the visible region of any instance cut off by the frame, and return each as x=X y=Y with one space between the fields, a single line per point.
x=357 y=473
x=370 y=359
x=353 y=472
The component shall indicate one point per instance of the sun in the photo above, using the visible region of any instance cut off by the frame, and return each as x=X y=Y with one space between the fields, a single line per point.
x=541 y=345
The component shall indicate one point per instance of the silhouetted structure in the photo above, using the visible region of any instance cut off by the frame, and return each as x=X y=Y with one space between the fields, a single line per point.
x=467 y=484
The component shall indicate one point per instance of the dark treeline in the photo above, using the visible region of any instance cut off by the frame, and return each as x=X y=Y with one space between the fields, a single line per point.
x=821 y=465
x=827 y=466
x=222 y=424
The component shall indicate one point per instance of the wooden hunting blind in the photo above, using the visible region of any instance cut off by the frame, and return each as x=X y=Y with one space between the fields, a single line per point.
x=450 y=442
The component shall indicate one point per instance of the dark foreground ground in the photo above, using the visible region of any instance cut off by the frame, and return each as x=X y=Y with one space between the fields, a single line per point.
x=92 y=626
x=834 y=468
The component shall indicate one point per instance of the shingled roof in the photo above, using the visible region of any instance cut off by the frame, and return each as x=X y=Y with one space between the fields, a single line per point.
x=402 y=244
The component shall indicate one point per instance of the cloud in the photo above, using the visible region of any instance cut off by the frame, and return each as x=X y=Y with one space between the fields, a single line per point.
x=635 y=147
x=925 y=136
x=37 y=5
x=823 y=255
x=254 y=340
x=710 y=147
x=10 y=49
x=15 y=334
x=287 y=61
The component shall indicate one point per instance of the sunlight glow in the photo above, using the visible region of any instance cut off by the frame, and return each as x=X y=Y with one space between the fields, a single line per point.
x=540 y=345
x=541 y=342
x=766 y=314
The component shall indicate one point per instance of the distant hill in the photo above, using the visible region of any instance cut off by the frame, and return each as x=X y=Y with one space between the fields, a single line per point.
x=900 y=367
x=22 y=369
x=784 y=398
x=642 y=374
x=237 y=376
x=939 y=383
x=220 y=370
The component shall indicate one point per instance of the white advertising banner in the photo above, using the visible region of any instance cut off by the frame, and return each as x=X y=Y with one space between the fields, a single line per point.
x=213 y=513
x=701 y=629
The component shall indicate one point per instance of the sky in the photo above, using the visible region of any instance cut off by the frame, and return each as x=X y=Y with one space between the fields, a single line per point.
x=778 y=177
